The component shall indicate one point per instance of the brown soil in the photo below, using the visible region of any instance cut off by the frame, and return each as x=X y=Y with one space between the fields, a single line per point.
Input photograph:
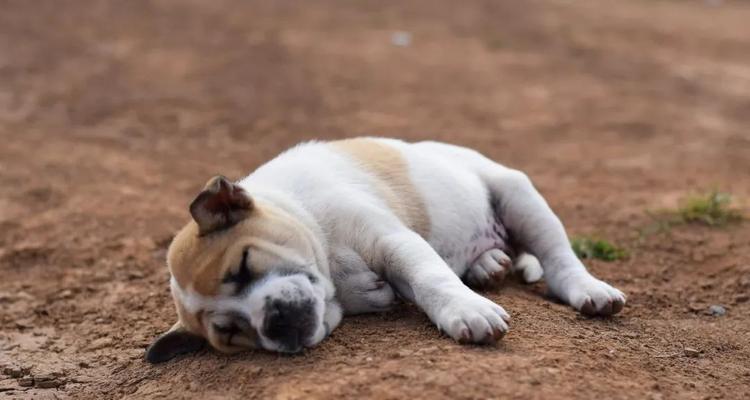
x=114 y=113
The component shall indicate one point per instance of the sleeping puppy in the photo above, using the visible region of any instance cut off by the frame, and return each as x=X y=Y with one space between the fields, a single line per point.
x=346 y=227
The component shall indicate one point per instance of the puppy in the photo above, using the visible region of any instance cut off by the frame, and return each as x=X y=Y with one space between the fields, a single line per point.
x=347 y=227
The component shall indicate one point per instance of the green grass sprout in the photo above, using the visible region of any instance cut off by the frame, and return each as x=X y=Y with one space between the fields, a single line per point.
x=597 y=248
x=712 y=209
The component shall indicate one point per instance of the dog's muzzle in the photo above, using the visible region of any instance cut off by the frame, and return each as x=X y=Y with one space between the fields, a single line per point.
x=290 y=324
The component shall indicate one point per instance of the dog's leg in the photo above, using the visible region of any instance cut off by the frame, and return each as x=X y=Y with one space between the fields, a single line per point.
x=420 y=275
x=532 y=223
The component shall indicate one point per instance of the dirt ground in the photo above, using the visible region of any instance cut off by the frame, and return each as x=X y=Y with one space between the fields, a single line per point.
x=114 y=113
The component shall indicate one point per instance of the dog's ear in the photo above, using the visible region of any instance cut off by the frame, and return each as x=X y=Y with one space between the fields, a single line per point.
x=173 y=343
x=220 y=205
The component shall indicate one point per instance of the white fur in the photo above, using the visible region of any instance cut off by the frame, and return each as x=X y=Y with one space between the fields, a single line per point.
x=337 y=200
x=528 y=266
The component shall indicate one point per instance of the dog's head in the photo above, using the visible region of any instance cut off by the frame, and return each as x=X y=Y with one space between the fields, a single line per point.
x=245 y=274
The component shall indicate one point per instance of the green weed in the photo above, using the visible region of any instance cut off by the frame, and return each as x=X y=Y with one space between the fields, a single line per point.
x=592 y=247
x=712 y=209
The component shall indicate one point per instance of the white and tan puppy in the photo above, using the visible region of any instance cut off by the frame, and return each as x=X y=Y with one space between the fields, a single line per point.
x=345 y=227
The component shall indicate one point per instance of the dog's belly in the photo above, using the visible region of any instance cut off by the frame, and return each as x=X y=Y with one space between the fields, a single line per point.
x=463 y=248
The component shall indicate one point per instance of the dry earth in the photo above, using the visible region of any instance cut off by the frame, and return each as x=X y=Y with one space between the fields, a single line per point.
x=114 y=113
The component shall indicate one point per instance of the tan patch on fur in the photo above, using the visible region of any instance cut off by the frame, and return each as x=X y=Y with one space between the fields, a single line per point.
x=192 y=267
x=201 y=262
x=393 y=182
x=189 y=321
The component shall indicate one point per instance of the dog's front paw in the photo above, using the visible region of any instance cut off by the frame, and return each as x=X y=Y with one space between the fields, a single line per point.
x=593 y=297
x=473 y=319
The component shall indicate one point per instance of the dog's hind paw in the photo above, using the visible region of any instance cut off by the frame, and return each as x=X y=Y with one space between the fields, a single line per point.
x=488 y=270
x=528 y=267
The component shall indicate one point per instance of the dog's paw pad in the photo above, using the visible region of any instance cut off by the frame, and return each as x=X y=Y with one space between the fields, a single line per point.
x=489 y=269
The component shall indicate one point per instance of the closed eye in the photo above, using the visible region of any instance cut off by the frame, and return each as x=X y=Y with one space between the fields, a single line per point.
x=235 y=330
x=227 y=329
x=242 y=278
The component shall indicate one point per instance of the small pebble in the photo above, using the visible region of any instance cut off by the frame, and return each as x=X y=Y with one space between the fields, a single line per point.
x=15 y=371
x=401 y=39
x=717 y=310
x=46 y=377
x=48 y=381
x=399 y=354
x=7 y=384
x=53 y=383
x=26 y=382
x=23 y=325
x=691 y=352
x=101 y=343
x=134 y=274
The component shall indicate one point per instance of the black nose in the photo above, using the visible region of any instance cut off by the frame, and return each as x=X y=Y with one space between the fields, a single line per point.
x=289 y=323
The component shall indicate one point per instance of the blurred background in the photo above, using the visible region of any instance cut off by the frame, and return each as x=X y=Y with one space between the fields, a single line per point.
x=114 y=113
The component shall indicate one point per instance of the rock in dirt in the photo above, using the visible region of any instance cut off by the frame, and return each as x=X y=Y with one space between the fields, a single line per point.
x=134 y=274
x=8 y=297
x=399 y=354
x=24 y=324
x=50 y=384
x=716 y=310
x=8 y=385
x=401 y=39
x=47 y=381
x=26 y=382
x=48 y=377
x=15 y=371
x=101 y=343
x=691 y=352
x=741 y=298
